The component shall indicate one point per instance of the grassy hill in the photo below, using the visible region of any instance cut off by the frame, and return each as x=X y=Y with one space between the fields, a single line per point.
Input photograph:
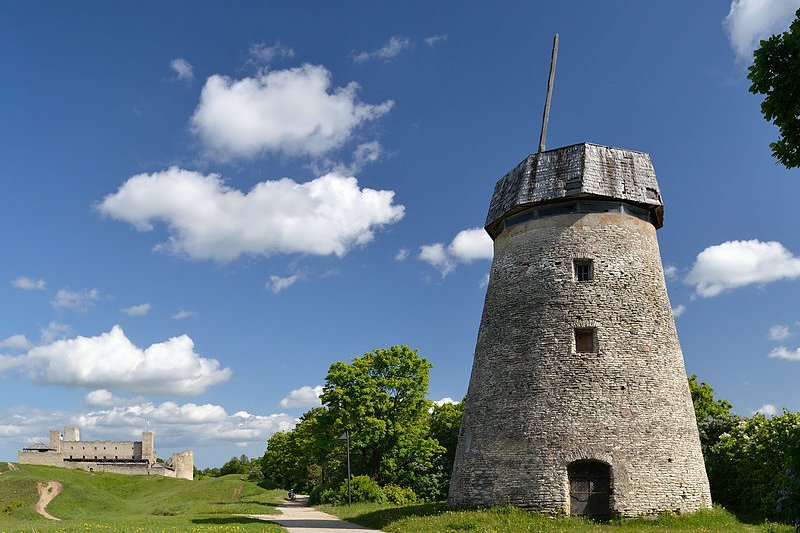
x=116 y=503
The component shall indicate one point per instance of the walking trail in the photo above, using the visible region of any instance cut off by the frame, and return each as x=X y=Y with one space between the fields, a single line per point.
x=47 y=491
x=297 y=517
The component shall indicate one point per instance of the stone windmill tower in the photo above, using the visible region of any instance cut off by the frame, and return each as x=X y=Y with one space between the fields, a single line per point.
x=578 y=400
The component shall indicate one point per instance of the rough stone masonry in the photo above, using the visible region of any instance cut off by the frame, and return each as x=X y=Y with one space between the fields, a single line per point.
x=578 y=400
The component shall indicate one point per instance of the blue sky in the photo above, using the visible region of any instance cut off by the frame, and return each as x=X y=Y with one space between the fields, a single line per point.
x=206 y=205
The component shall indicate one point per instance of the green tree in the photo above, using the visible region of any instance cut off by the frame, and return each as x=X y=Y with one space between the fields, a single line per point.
x=774 y=73
x=714 y=416
x=445 y=424
x=380 y=399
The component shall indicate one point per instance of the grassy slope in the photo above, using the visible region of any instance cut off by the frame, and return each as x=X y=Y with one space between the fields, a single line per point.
x=439 y=518
x=113 y=502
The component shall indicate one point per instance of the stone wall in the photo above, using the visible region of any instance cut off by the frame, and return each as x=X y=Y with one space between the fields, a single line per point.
x=535 y=405
x=100 y=449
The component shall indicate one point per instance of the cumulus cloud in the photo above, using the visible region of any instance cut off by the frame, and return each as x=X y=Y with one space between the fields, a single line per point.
x=434 y=40
x=387 y=52
x=29 y=284
x=670 y=272
x=293 y=111
x=779 y=332
x=678 y=310
x=177 y=426
x=767 y=410
x=16 y=342
x=749 y=21
x=99 y=398
x=182 y=68
x=467 y=246
x=8 y=362
x=445 y=400
x=137 y=310
x=183 y=313
x=209 y=220
x=111 y=361
x=781 y=352
x=736 y=264
x=305 y=397
x=484 y=282
x=261 y=54
x=80 y=301
x=402 y=254
x=277 y=284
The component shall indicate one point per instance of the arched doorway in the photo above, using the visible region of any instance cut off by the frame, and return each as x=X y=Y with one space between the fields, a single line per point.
x=590 y=489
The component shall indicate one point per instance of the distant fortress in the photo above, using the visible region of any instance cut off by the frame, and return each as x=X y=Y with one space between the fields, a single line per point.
x=120 y=457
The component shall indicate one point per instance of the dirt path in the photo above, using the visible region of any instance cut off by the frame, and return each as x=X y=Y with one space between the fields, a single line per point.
x=47 y=492
x=297 y=517
x=12 y=466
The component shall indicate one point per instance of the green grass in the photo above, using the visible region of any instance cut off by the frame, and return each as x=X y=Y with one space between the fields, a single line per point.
x=439 y=518
x=117 y=503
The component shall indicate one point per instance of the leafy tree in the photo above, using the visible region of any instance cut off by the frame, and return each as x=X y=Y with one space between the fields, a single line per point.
x=237 y=465
x=714 y=417
x=752 y=468
x=380 y=399
x=774 y=73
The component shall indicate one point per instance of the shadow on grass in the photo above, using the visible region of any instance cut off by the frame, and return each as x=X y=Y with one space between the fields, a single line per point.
x=379 y=519
x=227 y=520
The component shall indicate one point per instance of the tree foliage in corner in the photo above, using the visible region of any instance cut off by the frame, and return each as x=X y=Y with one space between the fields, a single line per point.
x=775 y=73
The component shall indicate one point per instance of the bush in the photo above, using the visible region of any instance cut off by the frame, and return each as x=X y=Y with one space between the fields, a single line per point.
x=363 y=489
x=399 y=495
x=326 y=493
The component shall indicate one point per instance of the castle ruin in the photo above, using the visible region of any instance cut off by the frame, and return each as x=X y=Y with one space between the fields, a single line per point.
x=119 y=457
x=578 y=401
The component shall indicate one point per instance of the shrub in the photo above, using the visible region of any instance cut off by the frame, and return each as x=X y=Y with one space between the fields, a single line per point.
x=326 y=493
x=399 y=495
x=363 y=489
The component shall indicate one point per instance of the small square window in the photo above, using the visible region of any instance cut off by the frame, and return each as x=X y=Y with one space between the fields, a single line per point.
x=584 y=270
x=586 y=340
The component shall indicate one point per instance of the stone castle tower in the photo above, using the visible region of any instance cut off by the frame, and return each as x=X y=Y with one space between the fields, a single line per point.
x=578 y=400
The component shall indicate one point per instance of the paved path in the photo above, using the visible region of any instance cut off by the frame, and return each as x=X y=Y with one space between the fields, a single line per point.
x=297 y=517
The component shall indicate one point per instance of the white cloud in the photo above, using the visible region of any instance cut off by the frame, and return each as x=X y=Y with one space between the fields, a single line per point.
x=111 y=361
x=767 y=410
x=467 y=246
x=183 y=313
x=749 y=21
x=735 y=264
x=402 y=254
x=277 y=284
x=781 y=352
x=99 y=398
x=53 y=331
x=16 y=342
x=436 y=255
x=137 y=310
x=779 y=332
x=29 y=284
x=304 y=397
x=678 y=310
x=433 y=40
x=8 y=362
x=80 y=301
x=261 y=54
x=445 y=400
x=291 y=111
x=670 y=272
x=387 y=52
x=364 y=154
x=484 y=282
x=182 y=68
x=177 y=426
x=209 y=220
